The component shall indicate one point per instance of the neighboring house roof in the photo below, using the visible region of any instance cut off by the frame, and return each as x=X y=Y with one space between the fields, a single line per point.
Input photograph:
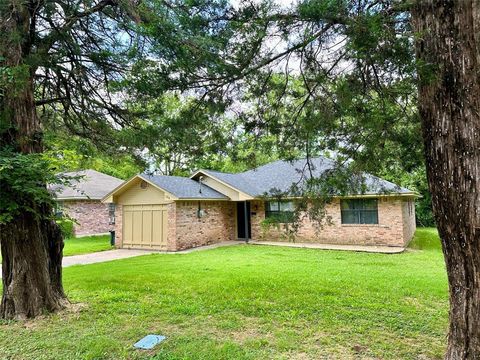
x=184 y=188
x=93 y=185
x=281 y=175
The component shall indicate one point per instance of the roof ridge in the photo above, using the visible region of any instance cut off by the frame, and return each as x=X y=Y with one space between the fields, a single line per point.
x=170 y=176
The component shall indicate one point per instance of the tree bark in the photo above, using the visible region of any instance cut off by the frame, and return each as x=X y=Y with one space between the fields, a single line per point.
x=448 y=51
x=31 y=268
x=31 y=244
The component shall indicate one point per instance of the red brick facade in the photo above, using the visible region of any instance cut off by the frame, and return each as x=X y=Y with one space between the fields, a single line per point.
x=217 y=223
x=396 y=225
x=91 y=215
x=187 y=230
x=118 y=225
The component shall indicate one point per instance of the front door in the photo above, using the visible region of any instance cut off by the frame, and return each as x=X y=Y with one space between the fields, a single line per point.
x=243 y=220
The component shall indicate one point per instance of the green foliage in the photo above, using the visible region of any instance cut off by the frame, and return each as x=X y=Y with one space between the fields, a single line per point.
x=174 y=136
x=268 y=223
x=282 y=223
x=12 y=78
x=23 y=179
x=72 y=153
x=66 y=227
x=243 y=151
x=351 y=94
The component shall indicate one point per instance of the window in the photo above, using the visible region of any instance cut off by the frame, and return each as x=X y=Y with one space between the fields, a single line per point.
x=281 y=211
x=59 y=209
x=359 y=211
x=111 y=213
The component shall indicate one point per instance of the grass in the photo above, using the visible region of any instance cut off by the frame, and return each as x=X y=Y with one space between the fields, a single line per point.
x=249 y=302
x=86 y=245
x=426 y=239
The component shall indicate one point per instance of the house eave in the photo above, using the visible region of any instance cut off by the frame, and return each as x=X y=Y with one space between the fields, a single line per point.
x=115 y=191
x=353 y=196
x=203 y=199
x=72 y=198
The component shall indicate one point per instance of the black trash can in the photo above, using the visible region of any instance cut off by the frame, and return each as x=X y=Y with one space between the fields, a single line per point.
x=112 y=237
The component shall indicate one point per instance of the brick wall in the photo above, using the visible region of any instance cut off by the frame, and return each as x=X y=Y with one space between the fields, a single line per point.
x=409 y=224
x=257 y=210
x=118 y=225
x=217 y=224
x=172 y=227
x=393 y=229
x=92 y=216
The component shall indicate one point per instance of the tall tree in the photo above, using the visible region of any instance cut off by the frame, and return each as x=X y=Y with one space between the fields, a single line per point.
x=174 y=135
x=69 y=57
x=448 y=51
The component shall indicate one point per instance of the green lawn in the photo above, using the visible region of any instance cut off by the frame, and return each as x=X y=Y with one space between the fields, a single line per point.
x=249 y=302
x=85 y=245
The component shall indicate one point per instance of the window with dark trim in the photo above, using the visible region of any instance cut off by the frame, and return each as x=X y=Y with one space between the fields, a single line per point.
x=359 y=211
x=281 y=211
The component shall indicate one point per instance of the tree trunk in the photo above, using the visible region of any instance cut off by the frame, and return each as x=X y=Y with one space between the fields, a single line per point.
x=448 y=51
x=31 y=245
x=31 y=268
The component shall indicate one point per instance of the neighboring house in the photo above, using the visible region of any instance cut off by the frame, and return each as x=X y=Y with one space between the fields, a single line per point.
x=173 y=213
x=81 y=200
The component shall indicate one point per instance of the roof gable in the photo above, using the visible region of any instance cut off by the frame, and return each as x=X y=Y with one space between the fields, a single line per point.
x=225 y=183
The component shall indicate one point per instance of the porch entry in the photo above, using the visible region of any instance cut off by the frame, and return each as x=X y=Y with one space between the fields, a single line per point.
x=244 y=226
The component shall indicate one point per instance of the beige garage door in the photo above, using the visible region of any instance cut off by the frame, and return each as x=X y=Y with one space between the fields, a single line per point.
x=145 y=226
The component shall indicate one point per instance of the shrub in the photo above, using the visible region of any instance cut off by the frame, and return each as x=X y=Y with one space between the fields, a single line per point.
x=67 y=228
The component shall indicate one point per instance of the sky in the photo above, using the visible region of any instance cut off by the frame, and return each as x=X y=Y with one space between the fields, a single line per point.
x=282 y=3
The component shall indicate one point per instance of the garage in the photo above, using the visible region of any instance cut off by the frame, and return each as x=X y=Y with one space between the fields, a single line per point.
x=168 y=213
x=145 y=226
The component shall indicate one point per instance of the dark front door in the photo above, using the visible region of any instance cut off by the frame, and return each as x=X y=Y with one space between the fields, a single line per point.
x=243 y=220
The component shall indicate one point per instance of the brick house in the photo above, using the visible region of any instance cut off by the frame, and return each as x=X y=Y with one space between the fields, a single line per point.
x=174 y=213
x=81 y=200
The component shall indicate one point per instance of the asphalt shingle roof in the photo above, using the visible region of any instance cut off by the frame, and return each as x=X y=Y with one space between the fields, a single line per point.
x=238 y=181
x=281 y=175
x=93 y=185
x=184 y=188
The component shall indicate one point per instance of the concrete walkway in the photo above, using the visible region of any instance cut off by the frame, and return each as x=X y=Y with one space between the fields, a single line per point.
x=361 y=248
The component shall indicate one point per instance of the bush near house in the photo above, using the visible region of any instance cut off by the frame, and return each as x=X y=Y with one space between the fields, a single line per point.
x=67 y=228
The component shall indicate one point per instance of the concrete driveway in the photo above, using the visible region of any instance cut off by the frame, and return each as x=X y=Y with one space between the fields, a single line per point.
x=118 y=254
x=103 y=256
